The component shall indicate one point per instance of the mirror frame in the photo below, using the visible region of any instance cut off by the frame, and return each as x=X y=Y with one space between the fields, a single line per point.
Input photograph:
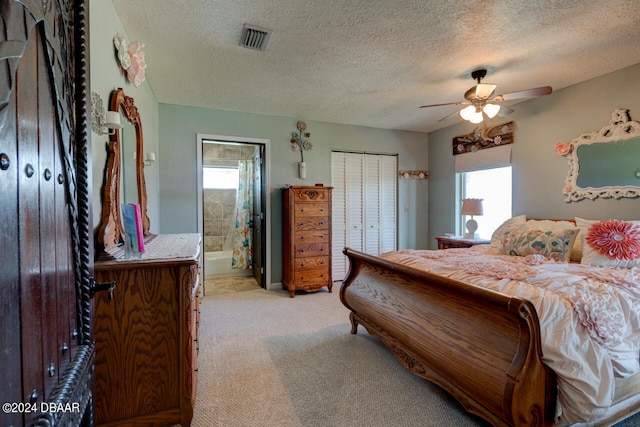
x=111 y=232
x=619 y=129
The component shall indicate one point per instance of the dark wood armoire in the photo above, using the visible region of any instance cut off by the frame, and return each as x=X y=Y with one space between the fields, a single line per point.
x=46 y=344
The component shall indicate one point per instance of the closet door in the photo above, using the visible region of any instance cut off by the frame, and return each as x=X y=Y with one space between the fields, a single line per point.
x=354 y=193
x=388 y=203
x=371 y=187
x=364 y=205
x=338 y=214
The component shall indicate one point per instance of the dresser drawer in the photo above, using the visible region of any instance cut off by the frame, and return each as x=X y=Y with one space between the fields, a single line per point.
x=311 y=209
x=311 y=223
x=319 y=236
x=310 y=194
x=313 y=275
x=315 y=262
x=311 y=250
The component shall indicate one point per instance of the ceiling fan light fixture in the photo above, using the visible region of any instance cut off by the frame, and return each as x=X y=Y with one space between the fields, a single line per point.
x=476 y=117
x=491 y=110
x=468 y=112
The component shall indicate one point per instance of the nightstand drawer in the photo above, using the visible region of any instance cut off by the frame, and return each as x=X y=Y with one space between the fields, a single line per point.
x=452 y=242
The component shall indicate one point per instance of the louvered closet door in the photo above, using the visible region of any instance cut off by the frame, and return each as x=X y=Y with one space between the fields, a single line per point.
x=372 y=204
x=388 y=203
x=338 y=215
x=364 y=205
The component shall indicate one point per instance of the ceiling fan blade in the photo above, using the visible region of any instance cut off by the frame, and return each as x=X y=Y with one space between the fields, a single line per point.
x=504 y=111
x=446 y=103
x=448 y=116
x=528 y=93
x=484 y=90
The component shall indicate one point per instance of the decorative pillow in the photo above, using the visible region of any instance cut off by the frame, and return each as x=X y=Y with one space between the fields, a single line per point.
x=612 y=243
x=547 y=224
x=583 y=225
x=522 y=240
x=516 y=220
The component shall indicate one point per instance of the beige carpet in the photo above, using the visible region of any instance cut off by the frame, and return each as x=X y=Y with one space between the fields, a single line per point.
x=269 y=360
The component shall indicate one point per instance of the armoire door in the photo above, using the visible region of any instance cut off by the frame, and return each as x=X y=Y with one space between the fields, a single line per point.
x=46 y=354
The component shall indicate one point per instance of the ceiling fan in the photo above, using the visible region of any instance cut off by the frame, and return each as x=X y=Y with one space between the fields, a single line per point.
x=479 y=100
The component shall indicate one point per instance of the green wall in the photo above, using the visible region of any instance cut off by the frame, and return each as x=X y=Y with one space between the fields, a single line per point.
x=539 y=173
x=106 y=75
x=180 y=125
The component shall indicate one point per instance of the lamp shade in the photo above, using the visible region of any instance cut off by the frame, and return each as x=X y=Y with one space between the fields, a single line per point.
x=471 y=207
x=112 y=120
x=491 y=110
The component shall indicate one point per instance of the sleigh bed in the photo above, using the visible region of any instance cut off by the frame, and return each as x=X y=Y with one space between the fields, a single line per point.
x=489 y=328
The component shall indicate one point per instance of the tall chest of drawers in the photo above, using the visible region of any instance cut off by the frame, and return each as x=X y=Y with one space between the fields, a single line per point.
x=306 y=238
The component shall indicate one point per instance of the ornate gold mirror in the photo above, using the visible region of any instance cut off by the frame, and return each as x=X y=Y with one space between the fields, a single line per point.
x=111 y=232
x=604 y=163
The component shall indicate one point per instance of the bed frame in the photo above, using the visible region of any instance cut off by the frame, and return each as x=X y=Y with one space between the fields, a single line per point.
x=481 y=346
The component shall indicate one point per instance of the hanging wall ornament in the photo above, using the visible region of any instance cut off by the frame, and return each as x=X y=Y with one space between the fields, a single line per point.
x=131 y=59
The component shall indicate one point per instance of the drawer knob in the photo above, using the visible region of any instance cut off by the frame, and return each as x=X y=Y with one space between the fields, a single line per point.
x=4 y=161
x=33 y=396
x=52 y=370
x=64 y=348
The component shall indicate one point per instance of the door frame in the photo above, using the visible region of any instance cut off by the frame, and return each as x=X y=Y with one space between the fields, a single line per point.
x=266 y=183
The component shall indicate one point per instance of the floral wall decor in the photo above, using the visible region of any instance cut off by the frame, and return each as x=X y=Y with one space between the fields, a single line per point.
x=299 y=141
x=131 y=59
x=484 y=137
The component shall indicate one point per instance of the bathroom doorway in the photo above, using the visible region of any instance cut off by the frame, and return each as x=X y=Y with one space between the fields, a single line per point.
x=233 y=208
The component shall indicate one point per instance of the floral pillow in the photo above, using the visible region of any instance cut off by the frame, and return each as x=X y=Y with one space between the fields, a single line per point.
x=612 y=243
x=516 y=220
x=552 y=243
x=583 y=225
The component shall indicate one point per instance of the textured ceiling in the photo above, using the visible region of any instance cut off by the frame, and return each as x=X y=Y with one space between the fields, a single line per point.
x=373 y=62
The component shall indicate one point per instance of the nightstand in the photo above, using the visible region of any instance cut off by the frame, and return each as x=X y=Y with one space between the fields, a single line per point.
x=459 y=242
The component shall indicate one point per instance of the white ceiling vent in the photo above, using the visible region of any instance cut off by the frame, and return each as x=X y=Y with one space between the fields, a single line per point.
x=254 y=37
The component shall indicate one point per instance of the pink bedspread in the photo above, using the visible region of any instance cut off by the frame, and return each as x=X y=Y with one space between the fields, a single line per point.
x=589 y=316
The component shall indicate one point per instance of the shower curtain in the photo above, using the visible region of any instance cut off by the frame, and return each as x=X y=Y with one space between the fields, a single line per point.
x=243 y=234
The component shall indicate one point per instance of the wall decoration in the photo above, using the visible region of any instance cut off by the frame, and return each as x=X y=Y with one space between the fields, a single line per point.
x=299 y=142
x=485 y=137
x=603 y=163
x=414 y=174
x=131 y=59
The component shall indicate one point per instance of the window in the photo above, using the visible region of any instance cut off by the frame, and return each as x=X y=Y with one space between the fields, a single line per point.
x=220 y=178
x=493 y=186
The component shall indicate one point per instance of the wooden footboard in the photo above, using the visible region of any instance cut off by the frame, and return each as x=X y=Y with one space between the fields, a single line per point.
x=481 y=346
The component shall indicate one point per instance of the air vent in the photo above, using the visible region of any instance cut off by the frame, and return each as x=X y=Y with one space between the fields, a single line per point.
x=254 y=37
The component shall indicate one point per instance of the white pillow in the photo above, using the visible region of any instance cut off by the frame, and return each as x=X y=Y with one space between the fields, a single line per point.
x=601 y=248
x=516 y=220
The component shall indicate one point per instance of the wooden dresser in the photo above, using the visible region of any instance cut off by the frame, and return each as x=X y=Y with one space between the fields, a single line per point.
x=146 y=335
x=306 y=238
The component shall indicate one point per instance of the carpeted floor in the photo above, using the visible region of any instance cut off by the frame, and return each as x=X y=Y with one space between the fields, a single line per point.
x=269 y=360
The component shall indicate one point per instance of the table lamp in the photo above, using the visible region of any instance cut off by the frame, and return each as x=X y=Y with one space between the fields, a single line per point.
x=471 y=207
